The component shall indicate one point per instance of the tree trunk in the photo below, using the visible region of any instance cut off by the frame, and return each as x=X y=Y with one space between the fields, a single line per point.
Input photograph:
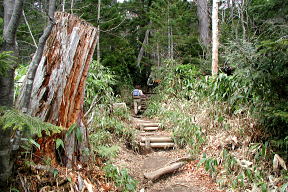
x=215 y=38
x=12 y=13
x=172 y=43
x=98 y=21
x=58 y=87
x=203 y=17
x=141 y=52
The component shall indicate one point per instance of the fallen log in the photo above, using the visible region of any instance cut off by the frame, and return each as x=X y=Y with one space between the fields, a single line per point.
x=158 y=145
x=157 y=139
x=163 y=171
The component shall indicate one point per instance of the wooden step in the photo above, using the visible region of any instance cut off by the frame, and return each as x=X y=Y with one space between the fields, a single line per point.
x=146 y=133
x=150 y=124
x=158 y=145
x=157 y=139
x=150 y=128
x=142 y=121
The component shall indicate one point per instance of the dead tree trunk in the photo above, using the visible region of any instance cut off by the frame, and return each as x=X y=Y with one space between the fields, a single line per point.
x=58 y=86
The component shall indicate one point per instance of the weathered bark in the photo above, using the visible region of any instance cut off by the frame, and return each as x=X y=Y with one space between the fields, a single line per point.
x=23 y=103
x=215 y=37
x=12 y=13
x=203 y=17
x=58 y=86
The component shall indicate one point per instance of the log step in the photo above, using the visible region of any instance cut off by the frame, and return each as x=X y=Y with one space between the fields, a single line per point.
x=147 y=133
x=142 y=121
x=150 y=128
x=155 y=139
x=158 y=145
x=150 y=124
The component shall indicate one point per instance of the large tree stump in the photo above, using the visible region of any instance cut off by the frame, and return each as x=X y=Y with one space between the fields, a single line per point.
x=59 y=84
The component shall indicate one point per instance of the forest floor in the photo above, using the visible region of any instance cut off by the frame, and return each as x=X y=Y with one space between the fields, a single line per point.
x=188 y=178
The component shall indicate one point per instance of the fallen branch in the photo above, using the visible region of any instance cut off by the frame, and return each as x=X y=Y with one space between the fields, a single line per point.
x=44 y=168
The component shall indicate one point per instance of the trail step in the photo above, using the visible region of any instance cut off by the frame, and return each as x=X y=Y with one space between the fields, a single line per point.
x=147 y=133
x=150 y=128
x=157 y=139
x=158 y=145
x=150 y=124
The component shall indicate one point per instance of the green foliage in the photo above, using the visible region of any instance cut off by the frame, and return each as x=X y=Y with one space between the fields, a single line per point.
x=113 y=125
x=13 y=119
x=107 y=152
x=99 y=84
x=108 y=126
x=20 y=73
x=59 y=143
x=210 y=164
x=179 y=16
x=120 y=177
x=6 y=61
x=174 y=115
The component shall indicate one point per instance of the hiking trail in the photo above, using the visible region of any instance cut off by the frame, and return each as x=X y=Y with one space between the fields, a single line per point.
x=159 y=166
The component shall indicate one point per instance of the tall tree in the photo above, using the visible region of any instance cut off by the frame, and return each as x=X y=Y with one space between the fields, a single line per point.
x=215 y=37
x=203 y=17
x=12 y=13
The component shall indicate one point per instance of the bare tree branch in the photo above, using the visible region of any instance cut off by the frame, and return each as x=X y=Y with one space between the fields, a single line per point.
x=30 y=32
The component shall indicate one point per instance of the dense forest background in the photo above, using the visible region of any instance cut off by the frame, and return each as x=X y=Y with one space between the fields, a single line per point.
x=170 y=42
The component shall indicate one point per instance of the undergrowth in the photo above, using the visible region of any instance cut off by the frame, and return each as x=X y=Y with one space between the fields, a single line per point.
x=107 y=128
x=242 y=117
x=108 y=125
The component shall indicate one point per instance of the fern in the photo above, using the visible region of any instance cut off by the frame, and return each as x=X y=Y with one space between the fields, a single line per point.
x=13 y=119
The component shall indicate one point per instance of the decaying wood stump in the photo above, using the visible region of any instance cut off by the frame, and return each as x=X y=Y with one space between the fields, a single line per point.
x=59 y=84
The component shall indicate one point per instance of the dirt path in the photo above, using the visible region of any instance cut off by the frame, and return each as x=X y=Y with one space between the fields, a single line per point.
x=188 y=178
